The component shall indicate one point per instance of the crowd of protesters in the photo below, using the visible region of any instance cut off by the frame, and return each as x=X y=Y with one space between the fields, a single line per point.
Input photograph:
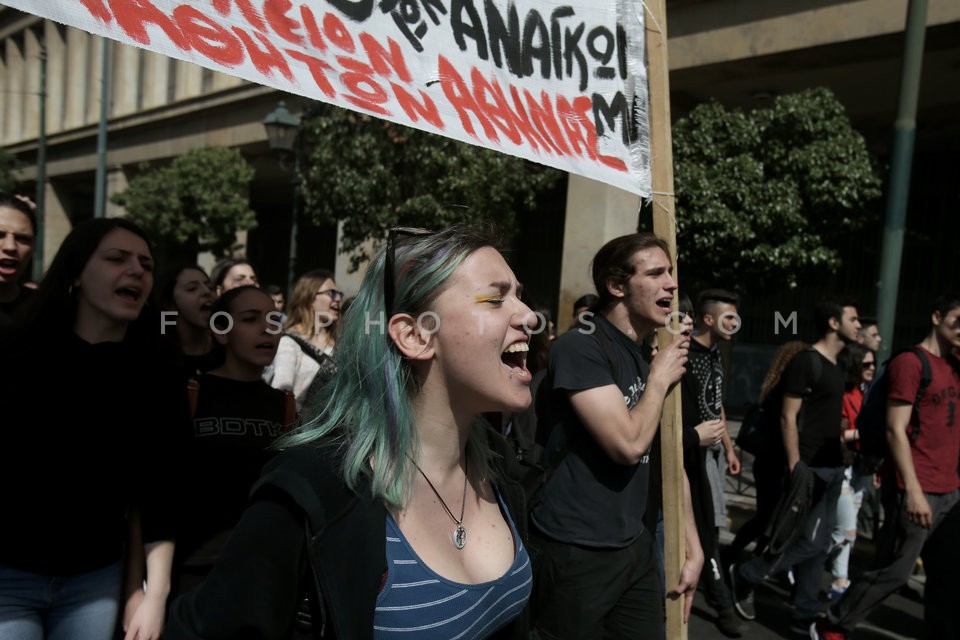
x=218 y=462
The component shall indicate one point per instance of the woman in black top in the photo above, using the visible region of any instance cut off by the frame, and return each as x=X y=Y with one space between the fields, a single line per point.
x=86 y=442
x=185 y=295
x=236 y=416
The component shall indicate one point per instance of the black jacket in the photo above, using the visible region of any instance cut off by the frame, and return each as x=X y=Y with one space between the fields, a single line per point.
x=793 y=507
x=305 y=532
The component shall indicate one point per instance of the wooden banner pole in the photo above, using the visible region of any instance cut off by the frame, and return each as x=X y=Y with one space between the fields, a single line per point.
x=664 y=225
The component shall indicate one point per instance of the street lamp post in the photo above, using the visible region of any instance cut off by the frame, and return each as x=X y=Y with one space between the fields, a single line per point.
x=283 y=133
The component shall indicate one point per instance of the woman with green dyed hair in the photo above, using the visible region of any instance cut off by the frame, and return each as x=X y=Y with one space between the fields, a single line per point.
x=389 y=514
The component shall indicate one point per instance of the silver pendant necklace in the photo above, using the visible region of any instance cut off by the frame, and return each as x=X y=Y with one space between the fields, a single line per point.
x=459 y=533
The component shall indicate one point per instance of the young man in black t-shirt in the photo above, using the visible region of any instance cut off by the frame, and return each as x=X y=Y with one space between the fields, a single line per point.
x=814 y=383
x=717 y=320
x=597 y=574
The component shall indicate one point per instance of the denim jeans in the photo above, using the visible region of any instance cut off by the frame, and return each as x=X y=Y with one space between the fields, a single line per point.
x=78 y=607
x=808 y=553
x=845 y=532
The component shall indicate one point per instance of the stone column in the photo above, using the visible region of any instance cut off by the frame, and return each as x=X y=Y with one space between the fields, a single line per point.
x=31 y=84
x=224 y=81
x=596 y=213
x=56 y=75
x=348 y=282
x=56 y=223
x=78 y=85
x=124 y=83
x=95 y=55
x=13 y=93
x=156 y=71
x=116 y=182
x=189 y=80
x=4 y=98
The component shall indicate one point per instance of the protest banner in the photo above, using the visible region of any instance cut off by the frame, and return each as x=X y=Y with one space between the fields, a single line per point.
x=562 y=84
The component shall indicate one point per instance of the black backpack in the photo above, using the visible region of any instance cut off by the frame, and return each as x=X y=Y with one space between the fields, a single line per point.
x=760 y=427
x=752 y=434
x=872 y=419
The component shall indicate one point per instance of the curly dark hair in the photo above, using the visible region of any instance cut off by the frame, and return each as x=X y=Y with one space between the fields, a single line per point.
x=781 y=359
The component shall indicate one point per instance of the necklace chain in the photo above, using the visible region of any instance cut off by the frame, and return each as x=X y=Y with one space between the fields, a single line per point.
x=460 y=533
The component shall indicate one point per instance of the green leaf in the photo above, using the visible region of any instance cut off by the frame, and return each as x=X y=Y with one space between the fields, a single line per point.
x=195 y=204
x=764 y=197
x=372 y=175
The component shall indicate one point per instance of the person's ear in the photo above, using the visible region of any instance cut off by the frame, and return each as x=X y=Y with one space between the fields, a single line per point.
x=708 y=320
x=221 y=338
x=616 y=289
x=936 y=318
x=411 y=337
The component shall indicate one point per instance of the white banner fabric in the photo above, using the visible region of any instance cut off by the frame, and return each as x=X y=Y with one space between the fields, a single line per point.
x=562 y=83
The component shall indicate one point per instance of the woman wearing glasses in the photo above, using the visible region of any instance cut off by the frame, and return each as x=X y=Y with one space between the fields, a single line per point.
x=391 y=512
x=859 y=364
x=306 y=348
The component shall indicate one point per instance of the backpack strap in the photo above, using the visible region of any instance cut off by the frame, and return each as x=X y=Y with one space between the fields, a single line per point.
x=817 y=368
x=193 y=394
x=307 y=348
x=926 y=377
x=852 y=407
x=289 y=409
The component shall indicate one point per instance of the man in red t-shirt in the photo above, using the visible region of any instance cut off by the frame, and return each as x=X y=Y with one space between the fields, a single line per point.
x=928 y=485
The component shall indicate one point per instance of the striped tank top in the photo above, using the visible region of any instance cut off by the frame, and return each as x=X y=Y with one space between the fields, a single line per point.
x=417 y=603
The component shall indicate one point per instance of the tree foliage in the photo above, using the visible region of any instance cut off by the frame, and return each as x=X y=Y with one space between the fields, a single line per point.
x=764 y=196
x=373 y=174
x=195 y=204
x=8 y=164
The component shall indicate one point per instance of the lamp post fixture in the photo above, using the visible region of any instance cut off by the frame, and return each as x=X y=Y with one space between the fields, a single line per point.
x=283 y=133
